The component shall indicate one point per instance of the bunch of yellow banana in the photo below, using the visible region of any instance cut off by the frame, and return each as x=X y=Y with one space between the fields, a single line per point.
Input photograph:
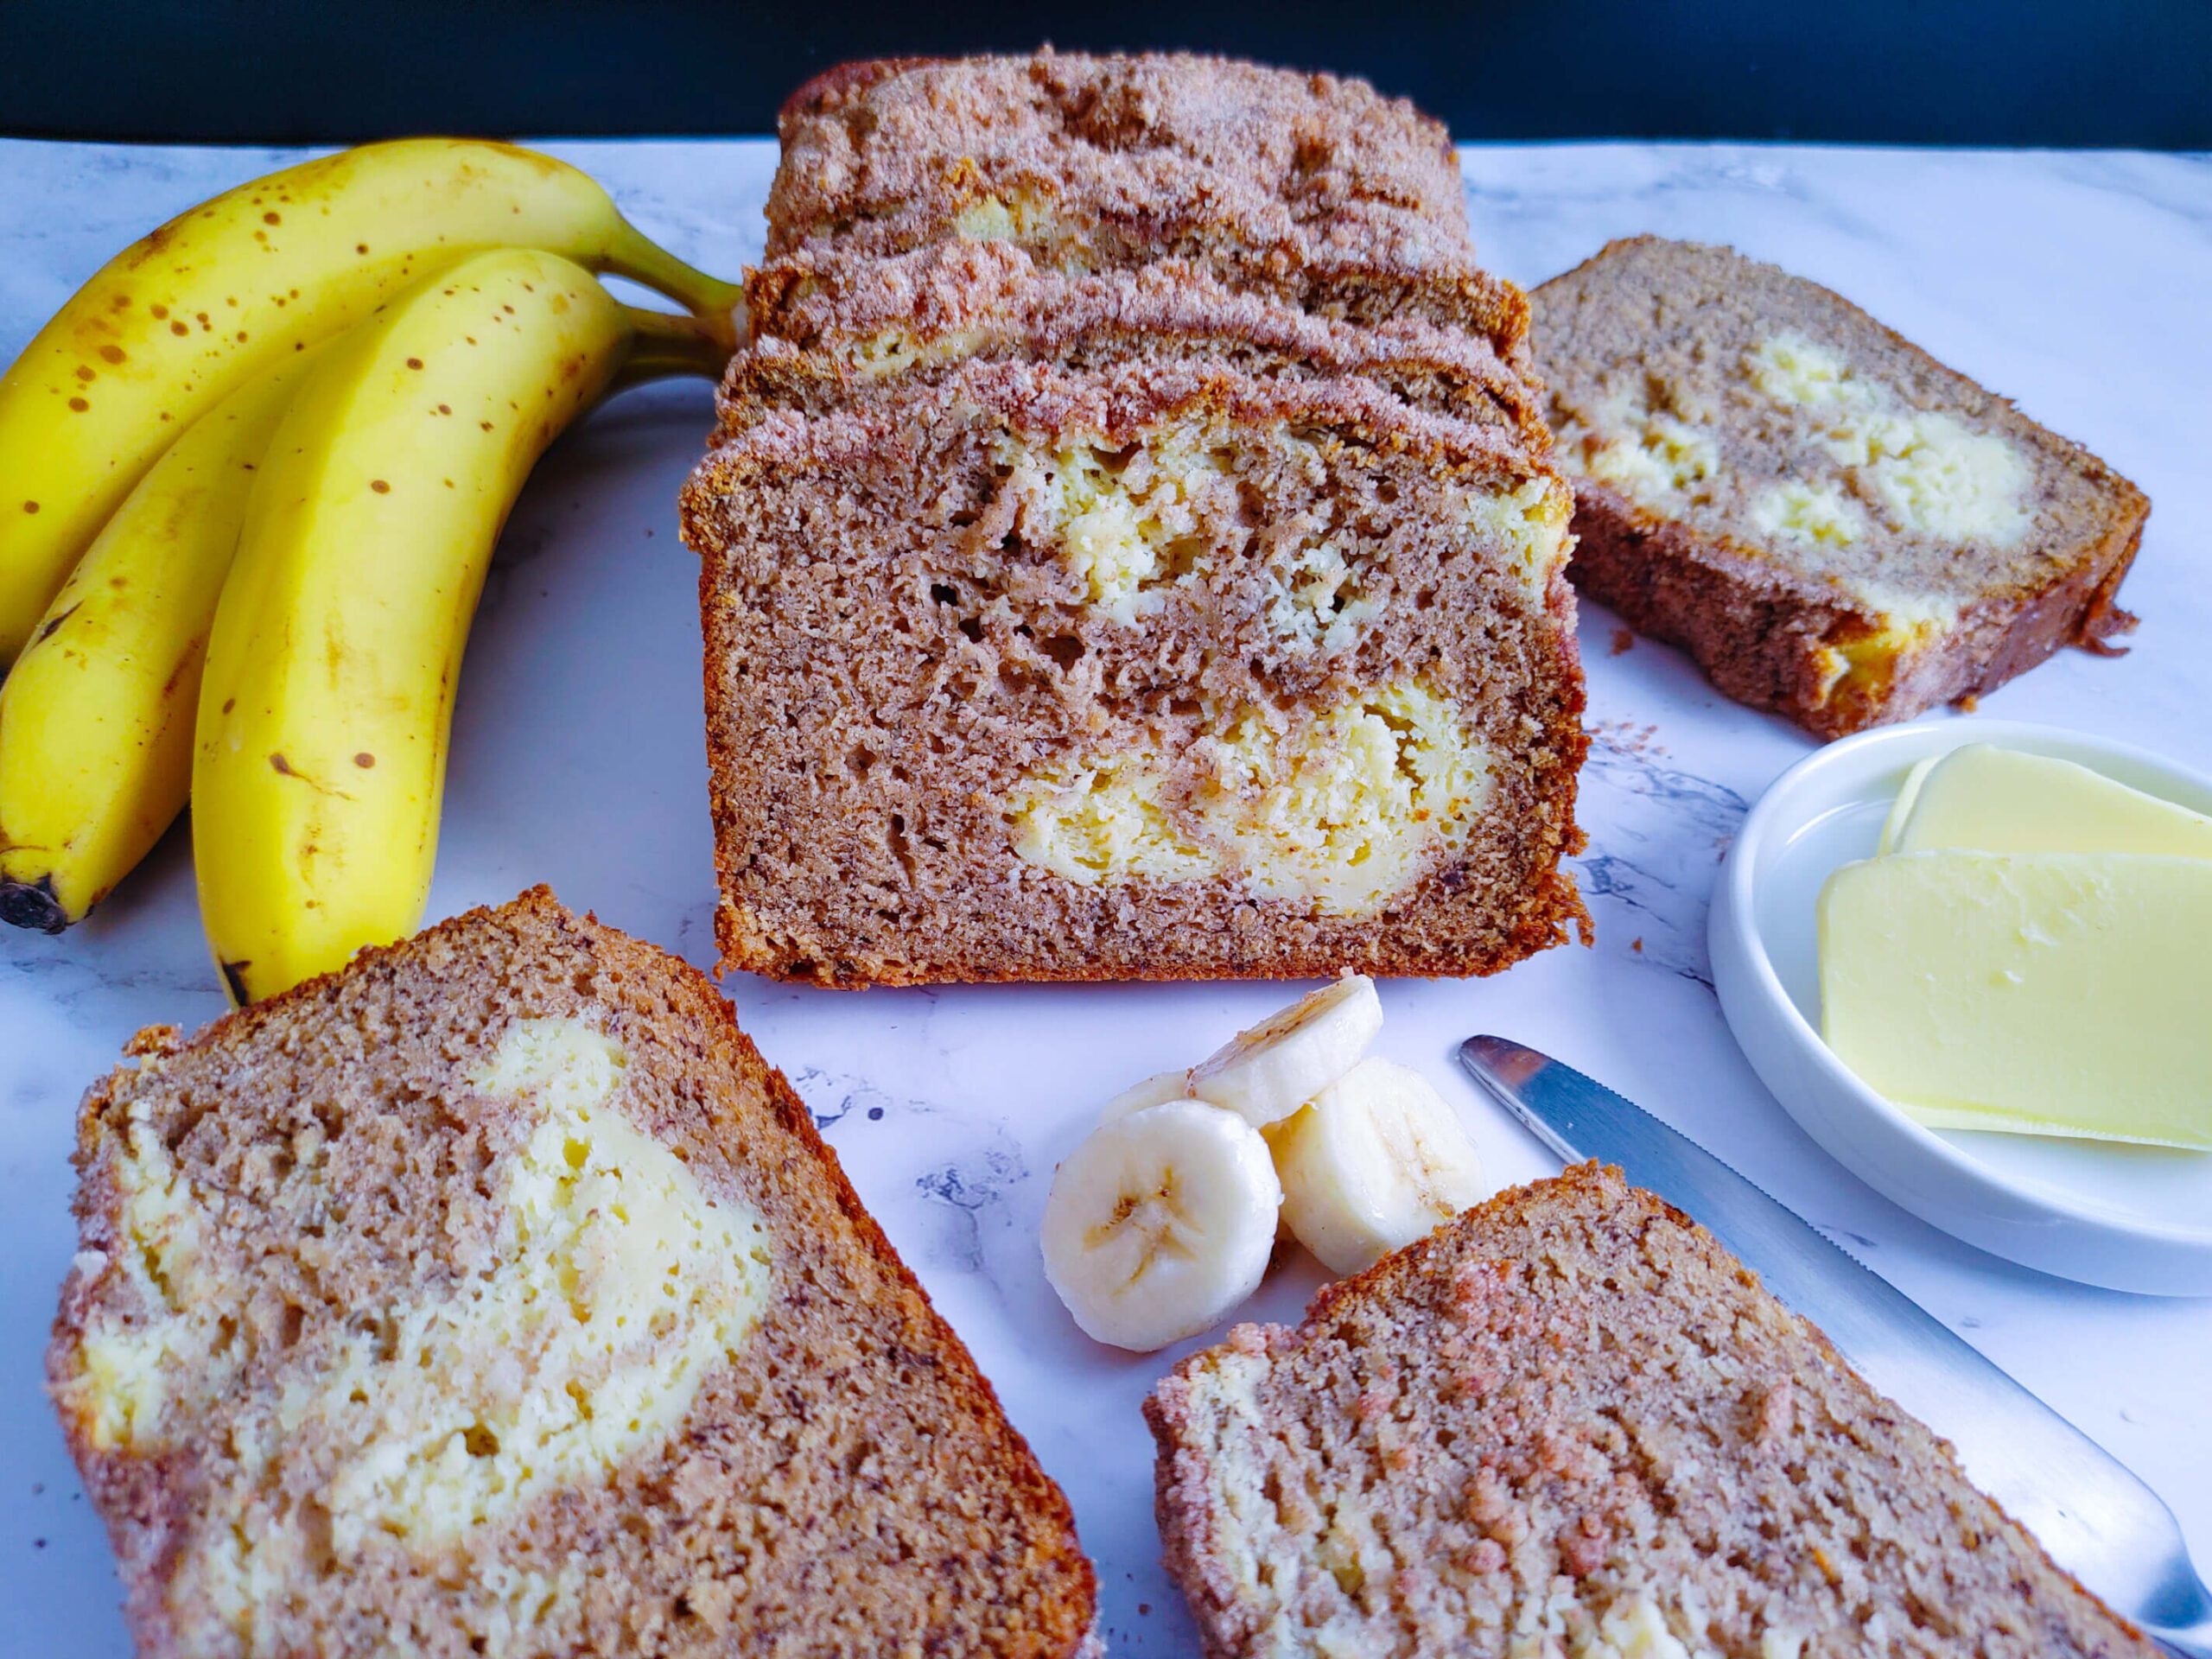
x=255 y=470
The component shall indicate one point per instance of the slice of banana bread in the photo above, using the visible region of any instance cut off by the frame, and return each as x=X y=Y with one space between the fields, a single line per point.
x=1570 y=1422
x=1308 y=186
x=493 y=1297
x=1151 y=671
x=826 y=330
x=1835 y=526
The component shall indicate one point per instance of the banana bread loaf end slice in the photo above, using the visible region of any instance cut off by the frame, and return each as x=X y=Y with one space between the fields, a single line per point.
x=1313 y=188
x=493 y=1297
x=1154 y=669
x=1834 y=524
x=1570 y=1422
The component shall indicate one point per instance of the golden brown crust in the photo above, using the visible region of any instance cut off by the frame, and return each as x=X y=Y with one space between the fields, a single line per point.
x=841 y=81
x=958 y=1536
x=828 y=330
x=1763 y=637
x=1003 y=296
x=1117 y=403
x=890 y=134
x=1306 y=186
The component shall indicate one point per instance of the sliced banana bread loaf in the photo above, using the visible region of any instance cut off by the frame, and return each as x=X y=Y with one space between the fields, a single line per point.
x=1149 y=670
x=493 y=1297
x=1835 y=526
x=832 y=329
x=1308 y=186
x=1570 y=1422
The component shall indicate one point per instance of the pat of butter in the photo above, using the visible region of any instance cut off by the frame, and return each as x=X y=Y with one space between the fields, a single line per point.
x=2044 y=994
x=1997 y=800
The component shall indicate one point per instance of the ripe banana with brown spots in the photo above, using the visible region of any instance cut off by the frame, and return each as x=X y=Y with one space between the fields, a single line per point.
x=223 y=293
x=327 y=697
x=96 y=717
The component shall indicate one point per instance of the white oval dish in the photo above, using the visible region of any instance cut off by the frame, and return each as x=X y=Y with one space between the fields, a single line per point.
x=2128 y=1217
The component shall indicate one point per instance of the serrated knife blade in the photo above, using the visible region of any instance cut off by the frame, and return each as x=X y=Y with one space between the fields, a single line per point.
x=2097 y=1520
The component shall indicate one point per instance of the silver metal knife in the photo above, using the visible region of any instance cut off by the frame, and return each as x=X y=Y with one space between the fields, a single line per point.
x=2097 y=1519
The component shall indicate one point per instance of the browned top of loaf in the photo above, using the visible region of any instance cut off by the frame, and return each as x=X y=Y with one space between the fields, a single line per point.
x=1665 y=328
x=1114 y=402
x=870 y=136
x=844 y=1483
x=828 y=326
x=1571 y=1398
x=1305 y=183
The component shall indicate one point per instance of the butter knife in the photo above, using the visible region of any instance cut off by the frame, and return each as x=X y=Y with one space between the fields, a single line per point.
x=2097 y=1520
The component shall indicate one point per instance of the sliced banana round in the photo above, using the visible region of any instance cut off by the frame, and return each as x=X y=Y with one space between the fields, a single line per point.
x=1267 y=1073
x=1377 y=1161
x=1155 y=1090
x=1160 y=1223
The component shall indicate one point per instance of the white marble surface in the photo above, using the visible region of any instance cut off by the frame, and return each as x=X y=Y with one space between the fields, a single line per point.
x=2074 y=282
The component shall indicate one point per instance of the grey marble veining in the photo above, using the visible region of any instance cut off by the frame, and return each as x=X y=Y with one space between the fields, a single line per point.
x=2072 y=283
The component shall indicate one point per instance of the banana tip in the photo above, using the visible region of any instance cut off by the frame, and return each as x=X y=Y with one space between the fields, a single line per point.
x=234 y=978
x=33 y=904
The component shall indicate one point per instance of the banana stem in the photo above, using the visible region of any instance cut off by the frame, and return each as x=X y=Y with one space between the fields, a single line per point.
x=664 y=345
x=718 y=304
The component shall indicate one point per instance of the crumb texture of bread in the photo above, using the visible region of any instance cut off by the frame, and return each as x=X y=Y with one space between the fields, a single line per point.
x=493 y=1296
x=1835 y=525
x=1130 y=547
x=1570 y=1425
x=1154 y=669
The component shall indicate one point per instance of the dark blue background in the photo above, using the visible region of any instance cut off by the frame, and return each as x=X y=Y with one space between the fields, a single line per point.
x=1974 y=72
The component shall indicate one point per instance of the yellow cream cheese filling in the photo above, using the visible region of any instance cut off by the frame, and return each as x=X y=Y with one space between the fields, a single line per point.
x=617 y=1284
x=1939 y=477
x=1128 y=524
x=1340 y=812
x=1009 y=216
x=620 y=1284
x=1125 y=520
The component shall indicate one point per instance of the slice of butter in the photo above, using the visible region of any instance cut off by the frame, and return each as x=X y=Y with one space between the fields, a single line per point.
x=1997 y=800
x=2045 y=994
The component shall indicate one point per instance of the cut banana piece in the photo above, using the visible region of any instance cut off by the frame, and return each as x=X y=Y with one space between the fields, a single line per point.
x=1378 y=1160
x=1155 y=1090
x=1267 y=1073
x=1160 y=1223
